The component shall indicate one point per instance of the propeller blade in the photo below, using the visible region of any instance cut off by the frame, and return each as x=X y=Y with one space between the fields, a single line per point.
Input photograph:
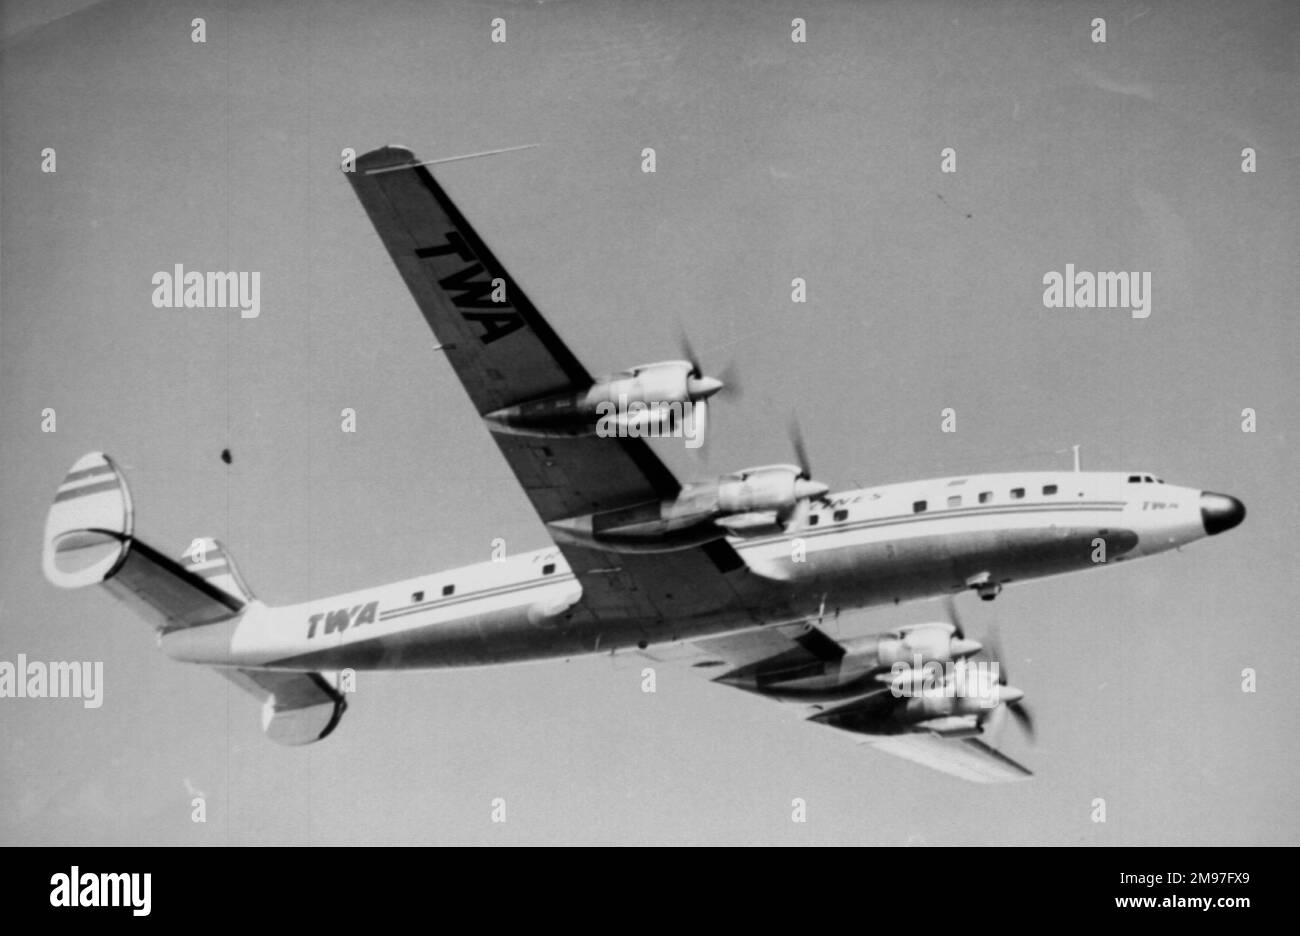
x=993 y=722
x=993 y=644
x=1015 y=704
x=730 y=378
x=688 y=353
x=1021 y=715
x=702 y=387
x=954 y=617
x=797 y=516
x=800 y=451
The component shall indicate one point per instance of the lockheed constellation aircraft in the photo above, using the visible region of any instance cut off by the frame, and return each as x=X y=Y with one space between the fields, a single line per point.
x=732 y=577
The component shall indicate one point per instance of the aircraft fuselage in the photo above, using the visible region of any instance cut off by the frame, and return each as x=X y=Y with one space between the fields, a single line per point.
x=855 y=550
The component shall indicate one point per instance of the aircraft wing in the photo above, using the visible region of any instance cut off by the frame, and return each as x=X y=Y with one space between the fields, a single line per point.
x=505 y=353
x=753 y=660
x=968 y=758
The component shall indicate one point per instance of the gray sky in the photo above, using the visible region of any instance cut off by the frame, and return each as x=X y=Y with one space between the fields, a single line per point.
x=775 y=160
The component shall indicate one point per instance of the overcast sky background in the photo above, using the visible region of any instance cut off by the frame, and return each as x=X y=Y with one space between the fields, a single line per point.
x=775 y=160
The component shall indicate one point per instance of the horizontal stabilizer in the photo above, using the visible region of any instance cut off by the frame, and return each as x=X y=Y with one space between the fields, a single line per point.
x=297 y=708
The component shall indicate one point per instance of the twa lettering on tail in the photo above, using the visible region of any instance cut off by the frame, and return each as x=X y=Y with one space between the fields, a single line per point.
x=341 y=618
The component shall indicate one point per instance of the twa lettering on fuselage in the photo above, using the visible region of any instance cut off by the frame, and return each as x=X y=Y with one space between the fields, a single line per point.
x=466 y=292
x=342 y=618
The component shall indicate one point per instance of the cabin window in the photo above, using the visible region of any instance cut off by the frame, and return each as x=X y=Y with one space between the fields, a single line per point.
x=918 y=506
x=813 y=519
x=417 y=596
x=954 y=501
x=1049 y=489
x=1017 y=493
x=840 y=515
x=548 y=568
x=448 y=590
x=986 y=496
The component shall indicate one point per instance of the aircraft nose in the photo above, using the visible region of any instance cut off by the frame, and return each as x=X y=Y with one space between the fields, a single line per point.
x=1220 y=512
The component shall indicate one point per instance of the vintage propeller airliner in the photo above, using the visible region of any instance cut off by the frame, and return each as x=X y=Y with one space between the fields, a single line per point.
x=731 y=577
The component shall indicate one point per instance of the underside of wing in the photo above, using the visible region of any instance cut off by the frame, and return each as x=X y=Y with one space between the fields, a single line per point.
x=485 y=325
x=968 y=758
x=502 y=349
x=841 y=686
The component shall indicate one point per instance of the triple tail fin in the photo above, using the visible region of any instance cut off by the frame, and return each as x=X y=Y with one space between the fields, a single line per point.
x=90 y=540
x=210 y=561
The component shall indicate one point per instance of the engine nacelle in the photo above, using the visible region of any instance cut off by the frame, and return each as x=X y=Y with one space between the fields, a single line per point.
x=927 y=641
x=939 y=705
x=772 y=487
x=652 y=396
x=934 y=642
x=698 y=514
x=665 y=382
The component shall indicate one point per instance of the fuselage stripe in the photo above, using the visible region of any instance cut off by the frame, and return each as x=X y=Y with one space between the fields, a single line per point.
x=743 y=545
x=492 y=592
x=941 y=513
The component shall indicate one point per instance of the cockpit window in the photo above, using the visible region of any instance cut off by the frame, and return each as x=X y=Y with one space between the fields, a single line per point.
x=1134 y=479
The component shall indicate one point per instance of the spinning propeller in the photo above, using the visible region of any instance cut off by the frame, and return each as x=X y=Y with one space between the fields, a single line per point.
x=700 y=387
x=1012 y=698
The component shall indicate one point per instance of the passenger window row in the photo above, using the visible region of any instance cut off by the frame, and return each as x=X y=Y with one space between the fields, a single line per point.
x=984 y=497
x=954 y=500
x=417 y=597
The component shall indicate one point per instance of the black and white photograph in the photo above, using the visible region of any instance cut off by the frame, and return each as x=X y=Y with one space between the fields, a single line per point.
x=597 y=423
